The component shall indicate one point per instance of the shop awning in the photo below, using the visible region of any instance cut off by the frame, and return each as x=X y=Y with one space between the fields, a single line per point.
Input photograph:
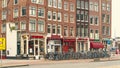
x=36 y=37
x=69 y=40
x=96 y=45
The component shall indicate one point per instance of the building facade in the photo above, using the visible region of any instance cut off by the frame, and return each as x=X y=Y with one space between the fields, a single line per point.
x=44 y=26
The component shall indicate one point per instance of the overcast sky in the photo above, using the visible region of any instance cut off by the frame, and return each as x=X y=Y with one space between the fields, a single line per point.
x=115 y=18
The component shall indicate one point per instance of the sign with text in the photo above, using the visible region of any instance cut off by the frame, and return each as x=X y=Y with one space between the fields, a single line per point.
x=2 y=44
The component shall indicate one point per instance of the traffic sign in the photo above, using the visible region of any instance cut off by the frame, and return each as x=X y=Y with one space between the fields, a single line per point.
x=2 y=44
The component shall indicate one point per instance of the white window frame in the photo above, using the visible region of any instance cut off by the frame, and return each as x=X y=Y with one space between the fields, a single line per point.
x=32 y=28
x=23 y=25
x=60 y=4
x=50 y=2
x=42 y=12
x=23 y=8
x=15 y=12
x=49 y=14
x=59 y=29
x=41 y=26
x=16 y=3
x=32 y=11
x=59 y=16
x=54 y=14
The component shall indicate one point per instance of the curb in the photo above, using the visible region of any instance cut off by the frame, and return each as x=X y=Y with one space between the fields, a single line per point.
x=14 y=66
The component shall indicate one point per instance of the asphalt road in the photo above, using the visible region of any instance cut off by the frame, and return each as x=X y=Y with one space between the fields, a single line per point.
x=106 y=64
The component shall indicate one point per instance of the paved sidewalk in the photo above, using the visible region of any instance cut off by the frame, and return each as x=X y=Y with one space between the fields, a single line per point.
x=13 y=63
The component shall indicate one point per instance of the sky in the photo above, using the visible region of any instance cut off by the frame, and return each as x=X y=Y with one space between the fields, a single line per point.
x=115 y=18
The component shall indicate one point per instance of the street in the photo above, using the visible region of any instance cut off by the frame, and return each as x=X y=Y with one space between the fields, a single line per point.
x=105 y=64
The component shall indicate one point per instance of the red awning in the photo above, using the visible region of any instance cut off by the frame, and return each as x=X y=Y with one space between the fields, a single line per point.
x=69 y=40
x=96 y=45
x=37 y=37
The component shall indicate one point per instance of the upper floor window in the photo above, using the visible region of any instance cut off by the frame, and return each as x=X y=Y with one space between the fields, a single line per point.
x=103 y=6
x=103 y=30
x=40 y=2
x=23 y=11
x=82 y=4
x=78 y=4
x=15 y=13
x=15 y=1
x=108 y=30
x=54 y=16
x=71 y=31
x=86 y=5
x=96 y=34
x=59 y=4
x=32 y=25
x=58 y=29
x=96 y=20
x=4 y=3
x=23 y=25
x=71 y=7
x=53 y=29
x=33 y=1
x=59 y=18
x=55 y=3
x=49 y=28
x=91 y=5
x=4 y=15
x=91 y=20
x=3 y=28
x=40 y=26
x=82 y=16
x=65 y=5
x=41 y=12
x=65 y=17
x=103 y=18
x=71 y=18
x=65 y=31
x=108 y=19
x=50 y=3
x=32 y=11
x=86 y=16
x=78 y=15
x=49 y=15
x=96 y=7
x=108 y=7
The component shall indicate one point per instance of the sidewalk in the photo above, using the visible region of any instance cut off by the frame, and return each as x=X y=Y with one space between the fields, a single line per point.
x=14 y=63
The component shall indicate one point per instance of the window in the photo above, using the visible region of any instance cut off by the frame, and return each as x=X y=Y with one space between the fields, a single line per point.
x=59 y=4
x=96 y=34
x=82 y=4
x=65 y=31
x=40 y=26
x=71 y=18
x=82 y=30
x=55 y=3
x=65 y=5
x=58 y=29
x=49 y=15
x=41 y=2
x=16 y=25
x=49 y=3
x=33 y=1
x=4 y=15
x=86 y=16
x=86 y=5
x=103 y=30
x=86 y=31
x=71 y=31
x=53 y=29
x=32 y=11
x=23 y=25
x=91 y=6
x=108 y=30
x=103 y=18
x=54 y=16
x=49 y=29
x=82 y=16
x=15 y=1
x=78 y=4
x=91 y=20
x=3 y=28
x=71 y=7
x=15 y=12
x=96 y=20
x=41 y=12
x=103 y=6
x=23 y=11
x=78 y=15
x=59 y=16
x=96 y=7
x=65 y=17
x=91 y=34
x=108 y=7
x=32 y=25
x=4 y=3
x=108 y=18
x=78 y=30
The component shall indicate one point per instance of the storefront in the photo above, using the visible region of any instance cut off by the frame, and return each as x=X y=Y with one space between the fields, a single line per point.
x=32 y=45
x=96 y=45
x=54 y=44
x=82 y=45
x=69 y=45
